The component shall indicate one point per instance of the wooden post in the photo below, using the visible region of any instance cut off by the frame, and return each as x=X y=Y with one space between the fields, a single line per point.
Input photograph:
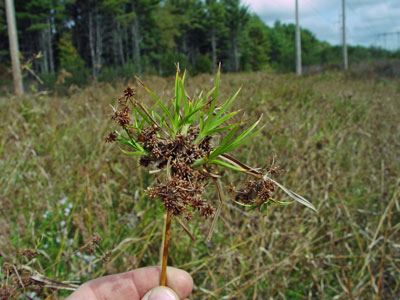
x=14 y=51
x=298 y=42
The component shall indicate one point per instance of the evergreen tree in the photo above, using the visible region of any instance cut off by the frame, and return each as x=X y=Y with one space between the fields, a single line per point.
x=3 y=35
x=282 y=46
x=236 y=17
x=115 y=11
x=310 y=47
x=256 y=45
x=164 y=33
x=116 y=38
x=216 y=27
x=71 y=62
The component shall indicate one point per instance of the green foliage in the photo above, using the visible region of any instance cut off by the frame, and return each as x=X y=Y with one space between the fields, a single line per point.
x=109 y=74
x=38 y=12
x=71 y=62
x=4 y=55
x=169 y=59
x=49 y=80
x=203 y=65
x=3 y=27
x=236 y=15
x=311 y=48
x=282 y=46
x=236 y=18
x=256 y=45
x=215 y=13
x=127 y=71
x=114 y=74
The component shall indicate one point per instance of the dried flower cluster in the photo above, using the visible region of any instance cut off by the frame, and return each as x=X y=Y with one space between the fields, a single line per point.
x=15 y=279
x=182 y=190
x=93 y=243
x=30 y=253
x=256 y=192
x=111 y=138
x=122 y=116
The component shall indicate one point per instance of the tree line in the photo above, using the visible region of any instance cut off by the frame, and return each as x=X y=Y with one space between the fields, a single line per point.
x=108 y=39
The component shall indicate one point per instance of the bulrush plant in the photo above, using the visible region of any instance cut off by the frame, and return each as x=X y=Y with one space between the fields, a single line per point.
x=176 y=142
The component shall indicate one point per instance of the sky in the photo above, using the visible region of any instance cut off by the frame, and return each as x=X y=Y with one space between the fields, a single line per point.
x=367 y=20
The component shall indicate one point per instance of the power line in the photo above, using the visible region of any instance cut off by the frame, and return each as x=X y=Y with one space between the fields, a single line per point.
x=368 y=27
x=352 y=9
x=389 y=40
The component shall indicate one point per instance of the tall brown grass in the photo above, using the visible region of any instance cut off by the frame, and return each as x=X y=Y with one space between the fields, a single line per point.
x=336 y=137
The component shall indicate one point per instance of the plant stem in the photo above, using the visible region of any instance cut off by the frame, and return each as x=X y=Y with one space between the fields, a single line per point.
x=167 y=230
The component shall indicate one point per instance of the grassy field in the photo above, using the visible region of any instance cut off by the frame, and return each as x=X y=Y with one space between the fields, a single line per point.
x=337 y=137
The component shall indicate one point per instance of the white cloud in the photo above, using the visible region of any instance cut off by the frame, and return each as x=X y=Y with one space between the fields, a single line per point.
x=366 y=19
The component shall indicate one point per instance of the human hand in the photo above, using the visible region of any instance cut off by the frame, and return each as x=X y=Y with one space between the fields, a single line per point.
x=139 y=284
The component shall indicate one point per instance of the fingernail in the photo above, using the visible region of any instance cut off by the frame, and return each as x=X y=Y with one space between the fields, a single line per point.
x=161 y=293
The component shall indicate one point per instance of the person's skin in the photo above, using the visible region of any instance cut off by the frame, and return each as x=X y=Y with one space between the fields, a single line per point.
x=139 y=284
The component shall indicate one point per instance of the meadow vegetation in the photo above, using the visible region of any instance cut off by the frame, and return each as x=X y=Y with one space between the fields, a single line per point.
x=81 y=207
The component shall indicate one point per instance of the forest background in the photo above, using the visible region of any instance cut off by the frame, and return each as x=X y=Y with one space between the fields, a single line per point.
x=105 y=40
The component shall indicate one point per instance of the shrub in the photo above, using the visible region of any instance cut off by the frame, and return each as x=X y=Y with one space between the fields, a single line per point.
x=71 y=62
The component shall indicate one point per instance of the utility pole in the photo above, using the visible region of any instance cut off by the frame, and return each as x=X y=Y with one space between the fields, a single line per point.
x=14 y=51
x=298 y=42
x=345 y=60
x=398 y=40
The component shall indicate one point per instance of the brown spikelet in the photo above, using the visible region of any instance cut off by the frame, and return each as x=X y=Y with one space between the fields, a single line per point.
x=111 y=138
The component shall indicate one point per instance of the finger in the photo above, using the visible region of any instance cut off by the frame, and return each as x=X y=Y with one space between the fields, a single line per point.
x=161 y=293
x=133 y=285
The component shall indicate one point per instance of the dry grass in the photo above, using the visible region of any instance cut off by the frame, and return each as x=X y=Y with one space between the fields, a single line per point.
x=337 y=138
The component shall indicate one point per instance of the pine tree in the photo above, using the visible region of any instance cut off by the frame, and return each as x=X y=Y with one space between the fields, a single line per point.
x=3 y=35
x=216 y=26
x=115 y=11
x=70 y=61
x=237 y=17
x=37 y=17
x=256 y=45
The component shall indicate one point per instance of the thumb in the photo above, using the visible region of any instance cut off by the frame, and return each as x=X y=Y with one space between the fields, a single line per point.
x=160 y=293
